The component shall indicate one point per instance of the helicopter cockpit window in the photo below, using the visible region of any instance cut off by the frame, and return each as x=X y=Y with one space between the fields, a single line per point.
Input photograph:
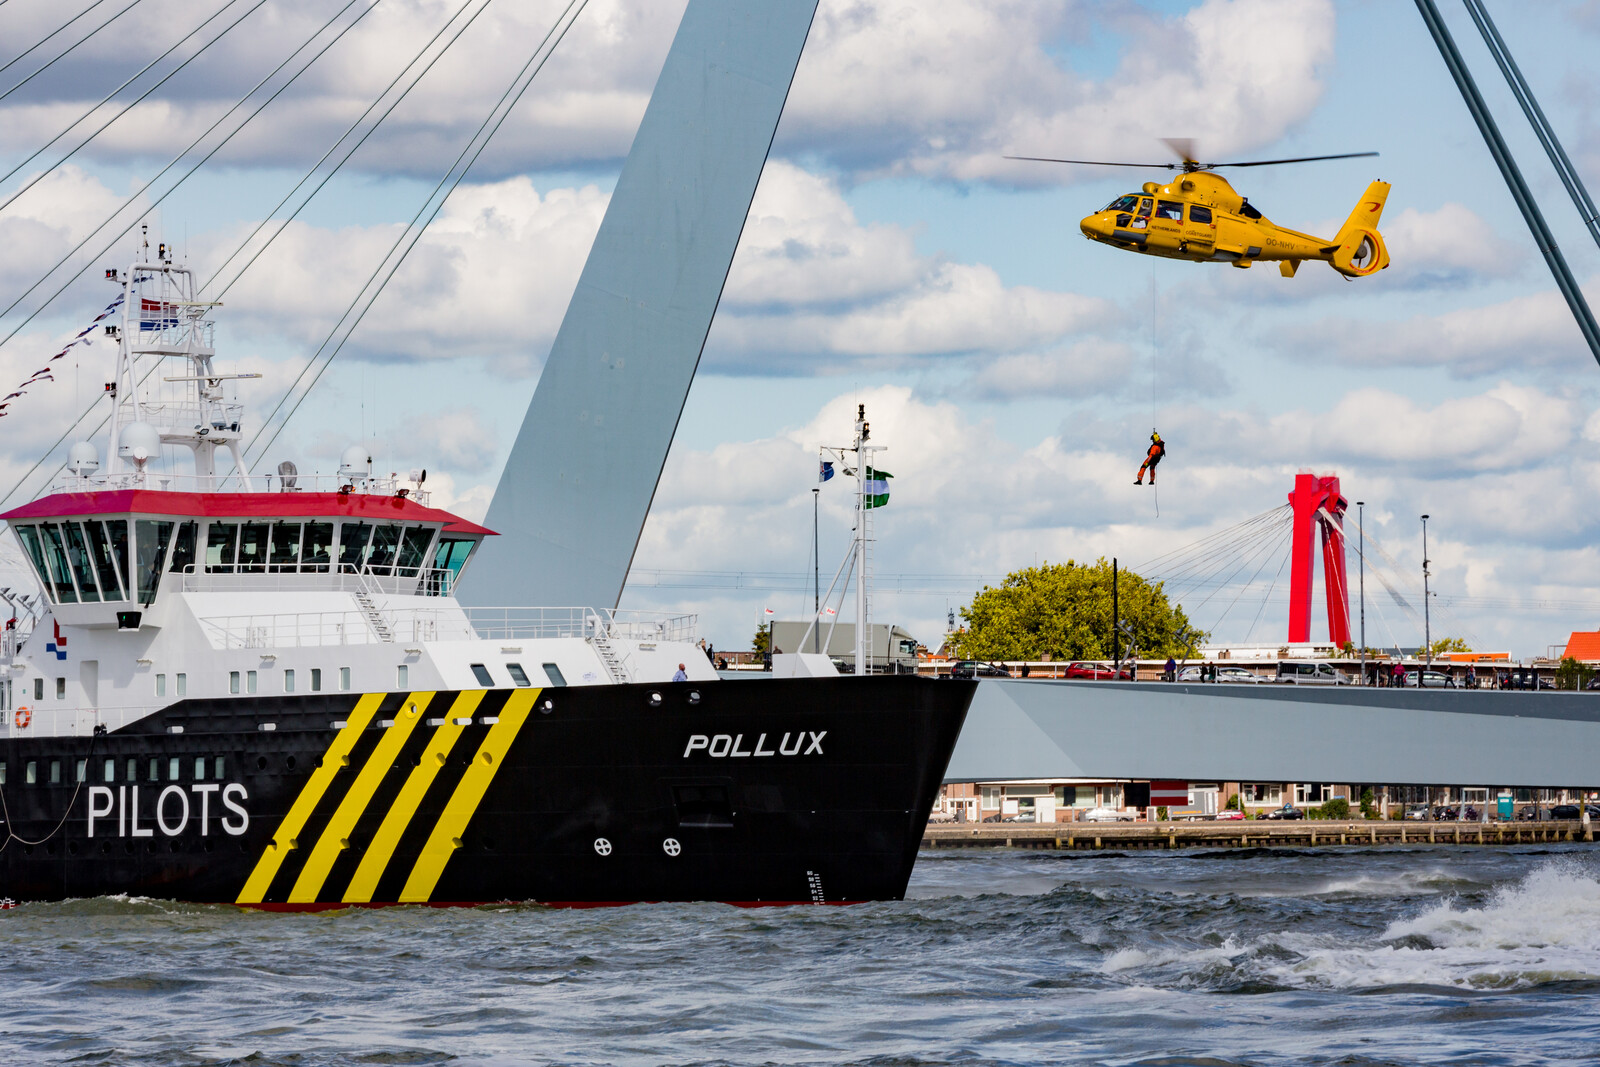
x=1144 y=206
x=1169 y=209
x=1247 y=211
x=1122 y=203
x=1201 y=215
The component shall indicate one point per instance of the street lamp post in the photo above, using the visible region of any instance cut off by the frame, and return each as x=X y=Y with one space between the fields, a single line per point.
x=1361 y=562
x=1427 y=629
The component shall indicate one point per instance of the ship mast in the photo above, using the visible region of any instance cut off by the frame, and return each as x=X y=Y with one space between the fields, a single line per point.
x=162 y=319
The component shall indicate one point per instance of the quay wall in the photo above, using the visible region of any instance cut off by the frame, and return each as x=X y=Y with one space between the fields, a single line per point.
x=1253 y=834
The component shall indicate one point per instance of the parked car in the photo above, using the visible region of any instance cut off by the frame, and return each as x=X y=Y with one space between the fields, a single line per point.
x=1229 y=814
x=1106 y=815
x=1096 y=671
x=1415 y=812
x=1288 y=811
x=1310 y=673
x=1574 y=811
x=1224 y=674
x=1431 y=680
x=971 y=668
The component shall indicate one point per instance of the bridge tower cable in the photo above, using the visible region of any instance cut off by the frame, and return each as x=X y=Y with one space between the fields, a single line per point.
x=1513 y=176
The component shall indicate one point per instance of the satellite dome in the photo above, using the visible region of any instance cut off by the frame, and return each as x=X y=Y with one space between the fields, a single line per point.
x=138 y=441
x=83 y=459
x=354 y=462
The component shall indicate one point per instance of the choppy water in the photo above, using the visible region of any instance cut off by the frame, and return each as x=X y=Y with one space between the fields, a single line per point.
x=1471 y=956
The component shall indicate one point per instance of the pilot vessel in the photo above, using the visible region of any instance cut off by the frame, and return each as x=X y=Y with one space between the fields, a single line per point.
x=260 y=689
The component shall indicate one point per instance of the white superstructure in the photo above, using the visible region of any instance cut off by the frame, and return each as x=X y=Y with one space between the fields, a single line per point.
x=161 y=581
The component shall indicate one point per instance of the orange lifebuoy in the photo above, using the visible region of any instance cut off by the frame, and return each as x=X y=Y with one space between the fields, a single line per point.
x=24 y=717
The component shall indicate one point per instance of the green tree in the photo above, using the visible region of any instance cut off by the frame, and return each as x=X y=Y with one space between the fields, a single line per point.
x=1572 y=674
x=1448 y=644
x=763 y=638
x=1064 y=610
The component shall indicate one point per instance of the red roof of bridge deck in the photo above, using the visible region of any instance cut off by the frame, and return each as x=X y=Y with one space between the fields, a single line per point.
x=373 y=506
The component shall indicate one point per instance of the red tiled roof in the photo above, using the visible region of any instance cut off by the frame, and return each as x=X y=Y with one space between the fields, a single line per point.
x=1584 y=645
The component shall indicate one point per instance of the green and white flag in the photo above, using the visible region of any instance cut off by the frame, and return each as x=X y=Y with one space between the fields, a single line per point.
x=877 y=488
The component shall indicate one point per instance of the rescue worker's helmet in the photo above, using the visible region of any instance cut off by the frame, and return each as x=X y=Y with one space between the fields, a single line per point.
x=1155 y=437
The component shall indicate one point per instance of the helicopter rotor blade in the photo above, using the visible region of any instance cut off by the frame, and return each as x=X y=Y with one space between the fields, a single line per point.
x=1184 y=148
x=1096 y=162
x=1276 y=162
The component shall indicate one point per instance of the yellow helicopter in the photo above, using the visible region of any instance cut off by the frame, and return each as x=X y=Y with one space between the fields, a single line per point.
x=1199 y=217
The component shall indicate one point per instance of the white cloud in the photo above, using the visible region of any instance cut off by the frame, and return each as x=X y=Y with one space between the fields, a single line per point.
x=941 y=88
x=1521 y=334
x=1447 y=246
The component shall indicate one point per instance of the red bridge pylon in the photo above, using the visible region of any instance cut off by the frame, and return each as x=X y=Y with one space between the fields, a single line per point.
x=1318 y=503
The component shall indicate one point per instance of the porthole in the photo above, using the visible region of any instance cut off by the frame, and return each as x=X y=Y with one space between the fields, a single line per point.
x=261 y=763
x=694 y=696
x=289 y=762
x=655 y=700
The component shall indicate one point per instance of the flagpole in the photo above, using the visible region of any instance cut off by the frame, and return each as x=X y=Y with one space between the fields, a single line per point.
x=861 y=664
x=816 y=570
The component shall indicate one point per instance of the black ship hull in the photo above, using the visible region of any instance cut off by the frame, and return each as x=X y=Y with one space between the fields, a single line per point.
x=758 y=792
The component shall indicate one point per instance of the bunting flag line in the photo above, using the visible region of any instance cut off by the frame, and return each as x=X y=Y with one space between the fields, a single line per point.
x=43 y=373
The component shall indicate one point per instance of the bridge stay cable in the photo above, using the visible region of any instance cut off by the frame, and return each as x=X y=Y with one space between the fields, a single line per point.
x=66 y=51
x=132 y=199
x=558 y=32
x=37 y=178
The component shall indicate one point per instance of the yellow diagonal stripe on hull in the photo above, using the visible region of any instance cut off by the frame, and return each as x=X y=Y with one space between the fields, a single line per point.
x=283 y=839
x=336 y=836
x=384 y=842
x=458 y=811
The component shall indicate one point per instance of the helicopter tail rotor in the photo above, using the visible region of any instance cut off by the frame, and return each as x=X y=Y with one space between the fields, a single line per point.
x=1358 y=250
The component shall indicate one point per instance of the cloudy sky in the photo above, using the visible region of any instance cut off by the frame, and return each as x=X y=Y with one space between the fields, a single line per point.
x=893 y=257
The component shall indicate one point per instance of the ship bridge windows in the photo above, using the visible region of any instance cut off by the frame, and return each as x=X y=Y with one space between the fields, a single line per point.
x=451 y=555
x=385 y=544
x=222 y=540
x=150 y=550
x=183 y=546
x=316 y=551
x=284 y=556
x=413 y=550
x=253 y=547
x=79 y=562
x=353 y=538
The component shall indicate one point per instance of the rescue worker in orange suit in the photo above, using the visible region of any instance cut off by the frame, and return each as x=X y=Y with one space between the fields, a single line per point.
x=1158 y=448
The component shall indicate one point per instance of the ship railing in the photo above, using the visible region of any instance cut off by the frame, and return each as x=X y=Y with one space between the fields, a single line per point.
x=390 y=485
x=290 y=630
x=497 y=624
x=321 y=577
x=420 y=623
x=45 y=721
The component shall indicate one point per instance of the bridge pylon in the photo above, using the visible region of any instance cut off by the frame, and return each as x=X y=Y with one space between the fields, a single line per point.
x=1318 y=505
